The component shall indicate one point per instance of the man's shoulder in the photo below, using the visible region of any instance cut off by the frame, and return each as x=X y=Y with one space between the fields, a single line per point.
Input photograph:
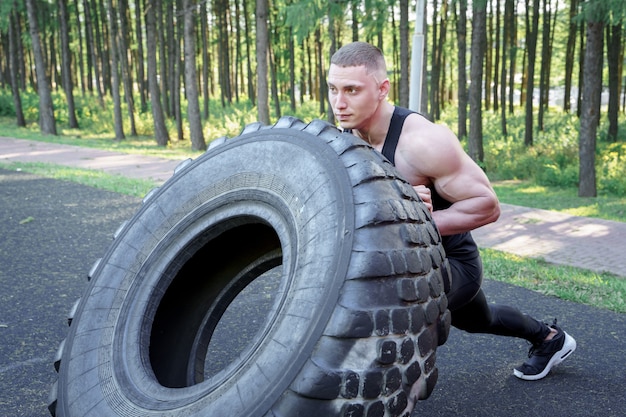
x=403 y=111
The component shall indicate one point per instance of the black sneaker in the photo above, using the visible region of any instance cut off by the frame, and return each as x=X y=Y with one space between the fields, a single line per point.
x=546 y=355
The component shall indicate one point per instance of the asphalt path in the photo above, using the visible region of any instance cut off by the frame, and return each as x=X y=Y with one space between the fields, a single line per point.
x=52 y=231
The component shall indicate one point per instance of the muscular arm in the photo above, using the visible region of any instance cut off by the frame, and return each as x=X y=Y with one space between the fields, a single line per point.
x=431 y=155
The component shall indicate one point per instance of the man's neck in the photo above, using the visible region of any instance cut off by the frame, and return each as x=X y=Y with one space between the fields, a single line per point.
x=376 y=130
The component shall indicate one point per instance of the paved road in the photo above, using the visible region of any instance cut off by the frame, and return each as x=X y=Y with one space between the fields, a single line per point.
x=52 y=231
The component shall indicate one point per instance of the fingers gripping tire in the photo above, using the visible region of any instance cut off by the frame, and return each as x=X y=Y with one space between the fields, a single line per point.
x=286 y=272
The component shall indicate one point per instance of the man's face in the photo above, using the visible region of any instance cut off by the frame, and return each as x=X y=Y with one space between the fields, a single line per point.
x=354 y=95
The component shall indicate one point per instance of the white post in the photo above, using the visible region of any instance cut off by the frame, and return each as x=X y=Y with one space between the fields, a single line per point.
x=417 y=58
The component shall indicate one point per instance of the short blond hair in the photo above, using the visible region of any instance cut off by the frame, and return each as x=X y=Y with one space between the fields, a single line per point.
x=358 y=54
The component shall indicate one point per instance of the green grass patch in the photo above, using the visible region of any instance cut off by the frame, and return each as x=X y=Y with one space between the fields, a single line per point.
x=602 y=290
x=92 y=178
x=566 y=200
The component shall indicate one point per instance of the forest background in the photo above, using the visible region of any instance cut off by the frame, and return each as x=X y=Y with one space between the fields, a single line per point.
x=535 y=89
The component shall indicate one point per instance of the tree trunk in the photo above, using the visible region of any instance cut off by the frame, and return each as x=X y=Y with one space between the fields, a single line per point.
x=569 y=54
x=47 y=122
x=205 y=60
x=274 y=82
x=404 y=54
x=126 y=73
x=177 y=71
x=262 y=41
x=160 y=131
x=512 y=23
x=66 y=64
x=590 y=116
x=139 y=57
x=461 y=34
x=172 y=60
x=507 y=46
x=292 y=71
x=497 y=79
x=321 y=87
x=614 y=49
x=479 y=41
x=224 y=52
x=115 y=76
x=546 y=55
x=92 y=51
x=81 y=53
x=531 y=36
x=437 y=44
x=581 y=67
x=191 y=85
x=251 y=74
x=488 y=65
x=102 y=35
x=163 y=75
x=13 y=68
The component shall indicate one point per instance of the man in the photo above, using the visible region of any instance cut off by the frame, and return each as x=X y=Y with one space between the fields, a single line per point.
x=452 y=186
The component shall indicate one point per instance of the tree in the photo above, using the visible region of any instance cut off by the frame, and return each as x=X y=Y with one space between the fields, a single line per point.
x=590 y=116
x=47 y=122
x=160 y=131
x=66 y=66
x=115 y=77
x=508 y=46
x=404 y=54
x=461 y=35
x=126 y=73
x=479 y=43
x=569 y=54
x=615 y=57
x=547 y=37
x=13 y=68
x=531 y=36
x=191 y=86
x=262 y=47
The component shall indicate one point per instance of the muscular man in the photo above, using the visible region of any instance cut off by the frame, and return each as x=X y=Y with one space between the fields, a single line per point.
x=454 y=188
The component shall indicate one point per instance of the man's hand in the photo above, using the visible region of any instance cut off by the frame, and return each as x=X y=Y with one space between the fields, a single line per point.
x=424 y=193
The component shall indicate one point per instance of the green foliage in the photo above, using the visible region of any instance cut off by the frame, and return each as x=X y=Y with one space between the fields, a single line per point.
x=612 y=168
x=6 y=103
x=553 y=160
x=96 y=121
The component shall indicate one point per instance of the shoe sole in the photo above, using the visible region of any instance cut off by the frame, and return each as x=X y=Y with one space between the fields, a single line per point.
x=569 y=346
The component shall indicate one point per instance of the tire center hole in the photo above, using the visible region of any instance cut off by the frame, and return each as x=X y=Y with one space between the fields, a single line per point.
x=226 y=288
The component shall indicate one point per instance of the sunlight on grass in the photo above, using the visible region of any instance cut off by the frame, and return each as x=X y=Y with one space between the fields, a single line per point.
x=583 y=286
x=532 y=189
x=565 y=200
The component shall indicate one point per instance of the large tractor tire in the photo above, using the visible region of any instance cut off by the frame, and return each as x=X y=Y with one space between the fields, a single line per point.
x=286 y=272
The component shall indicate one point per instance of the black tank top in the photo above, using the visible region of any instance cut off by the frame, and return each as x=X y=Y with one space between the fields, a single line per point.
x=459 y=246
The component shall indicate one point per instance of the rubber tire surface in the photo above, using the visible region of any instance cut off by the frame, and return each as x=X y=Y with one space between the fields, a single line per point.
x=358 y=310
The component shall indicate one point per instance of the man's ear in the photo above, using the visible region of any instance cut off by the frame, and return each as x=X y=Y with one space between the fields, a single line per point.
x=384 y=89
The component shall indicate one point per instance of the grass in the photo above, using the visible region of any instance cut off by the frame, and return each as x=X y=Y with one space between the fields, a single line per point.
x=92 y=178
x=566 y=200
x=602 y=290
x=574 y=284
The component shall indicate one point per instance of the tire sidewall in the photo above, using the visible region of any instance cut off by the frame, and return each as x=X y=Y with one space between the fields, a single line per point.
x=297 y=185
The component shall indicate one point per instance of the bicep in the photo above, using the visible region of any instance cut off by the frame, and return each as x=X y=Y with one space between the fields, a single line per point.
x=462 y=180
